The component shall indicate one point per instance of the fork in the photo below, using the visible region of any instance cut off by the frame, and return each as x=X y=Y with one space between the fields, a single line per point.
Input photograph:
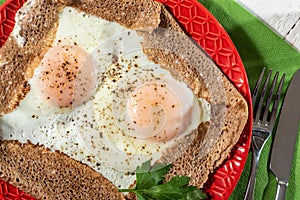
x=263 y=121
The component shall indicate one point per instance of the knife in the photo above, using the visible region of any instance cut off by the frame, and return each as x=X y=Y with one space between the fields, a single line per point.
x=285 y=137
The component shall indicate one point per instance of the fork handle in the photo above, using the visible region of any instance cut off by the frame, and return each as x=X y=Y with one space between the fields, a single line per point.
x=252 y=179
x=281 y=190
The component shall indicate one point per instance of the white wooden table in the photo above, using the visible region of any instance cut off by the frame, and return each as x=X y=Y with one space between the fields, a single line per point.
x=283 y=16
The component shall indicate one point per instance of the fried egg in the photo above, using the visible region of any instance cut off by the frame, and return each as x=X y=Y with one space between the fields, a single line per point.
x=96 y=97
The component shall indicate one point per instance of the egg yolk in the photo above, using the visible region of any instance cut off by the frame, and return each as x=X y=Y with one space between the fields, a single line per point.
x=157 y=110
x=66 y=76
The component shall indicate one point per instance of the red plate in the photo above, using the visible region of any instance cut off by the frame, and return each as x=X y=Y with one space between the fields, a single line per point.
x=208 y=33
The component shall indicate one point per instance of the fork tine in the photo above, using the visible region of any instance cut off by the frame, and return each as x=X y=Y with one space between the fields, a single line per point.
x=262 y=97
x=269 y=98
x=257 y=86
x=276 y=102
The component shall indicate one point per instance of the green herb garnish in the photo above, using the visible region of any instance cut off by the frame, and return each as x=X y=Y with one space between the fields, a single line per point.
x=151 y=185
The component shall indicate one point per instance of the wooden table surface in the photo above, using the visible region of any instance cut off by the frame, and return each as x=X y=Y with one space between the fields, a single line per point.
x=283 y=16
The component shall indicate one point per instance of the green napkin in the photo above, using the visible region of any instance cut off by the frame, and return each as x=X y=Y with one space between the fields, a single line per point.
x=259 y=47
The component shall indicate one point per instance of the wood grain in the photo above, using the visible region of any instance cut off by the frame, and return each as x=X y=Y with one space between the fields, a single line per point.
x=283 y=16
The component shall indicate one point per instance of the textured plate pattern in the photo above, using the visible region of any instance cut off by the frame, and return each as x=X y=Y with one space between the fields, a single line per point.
x=208 y=33
x=7 y=20
x=9 y=192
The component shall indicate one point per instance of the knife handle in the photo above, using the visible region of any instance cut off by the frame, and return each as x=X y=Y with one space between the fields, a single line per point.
x=281 y=190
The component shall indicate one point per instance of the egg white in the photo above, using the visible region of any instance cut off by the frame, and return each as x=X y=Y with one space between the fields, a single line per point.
x=79 y=132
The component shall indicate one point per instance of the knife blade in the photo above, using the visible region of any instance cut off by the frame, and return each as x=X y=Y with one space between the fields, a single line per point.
x=285 y=136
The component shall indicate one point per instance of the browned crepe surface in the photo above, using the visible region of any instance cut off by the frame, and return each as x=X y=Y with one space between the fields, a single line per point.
x=51 y=175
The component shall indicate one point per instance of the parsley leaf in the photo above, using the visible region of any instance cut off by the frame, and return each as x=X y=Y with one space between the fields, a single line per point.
x=147 y=176
x=151 y=185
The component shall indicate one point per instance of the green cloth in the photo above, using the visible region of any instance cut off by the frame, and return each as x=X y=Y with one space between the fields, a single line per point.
x=259 y=47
